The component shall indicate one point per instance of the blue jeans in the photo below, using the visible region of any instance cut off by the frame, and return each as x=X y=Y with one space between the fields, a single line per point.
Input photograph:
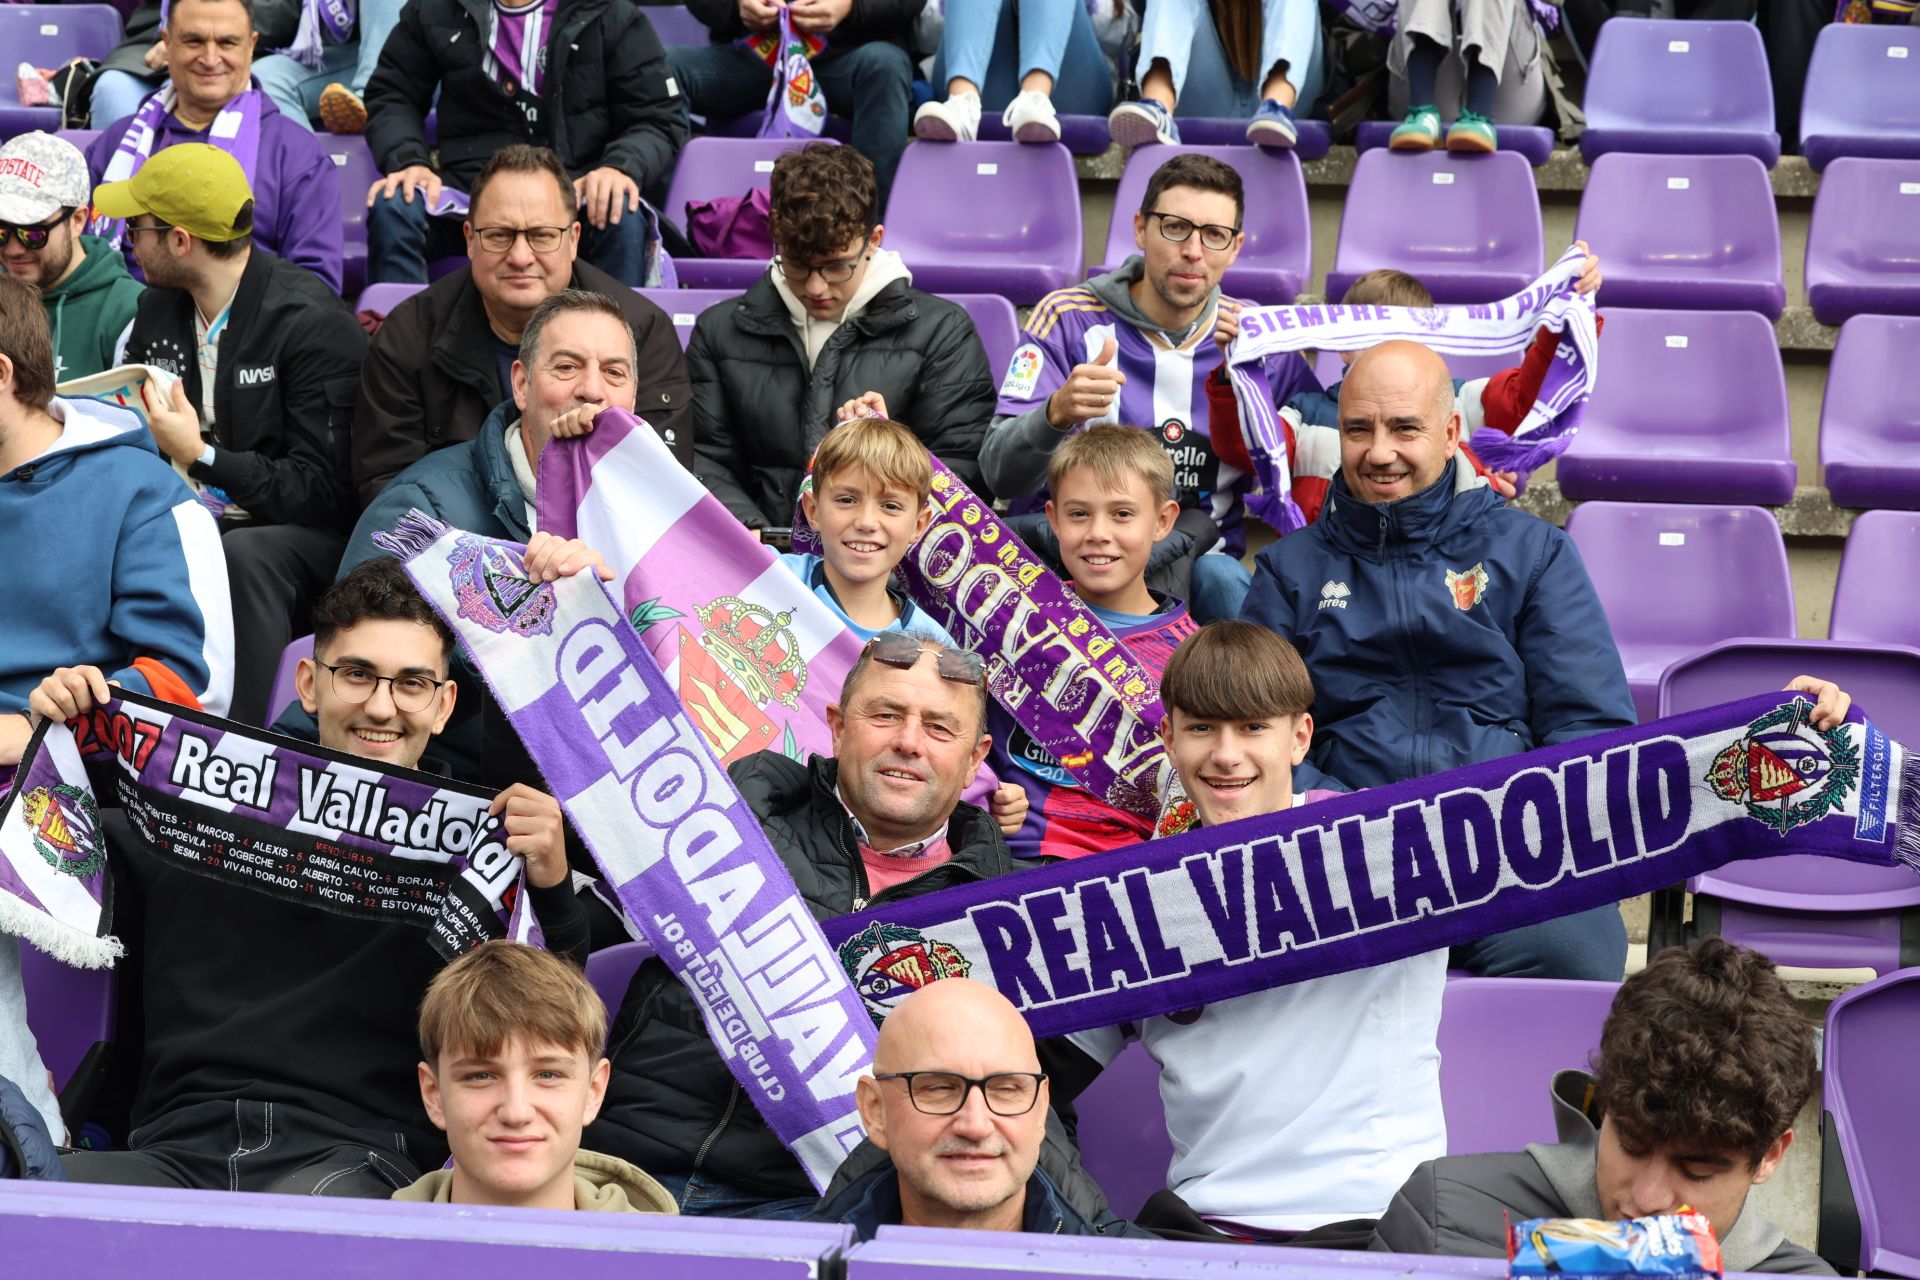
x=118 y=94
x=1218 y=587
x=701 y=1197
x=402 y=240
x=981 y=45
x=872 y=84
x=1590 y=945
x=295 y=88
x=1181 y=34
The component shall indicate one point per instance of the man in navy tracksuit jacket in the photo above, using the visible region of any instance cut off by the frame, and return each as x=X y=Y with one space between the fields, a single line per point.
x=1442 y=627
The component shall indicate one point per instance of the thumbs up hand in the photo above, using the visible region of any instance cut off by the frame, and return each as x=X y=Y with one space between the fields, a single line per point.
x=1090 y=391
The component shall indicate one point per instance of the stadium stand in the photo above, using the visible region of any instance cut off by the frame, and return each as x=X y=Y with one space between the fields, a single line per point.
x=674 y=25
x=48 y=36
x=1679 y=87
x=283 y=688
x=997 y=323
x=1883 y=546
x=353 y=162
x=685 y=305
x=1533 y=141
x=70 y=1011
x=1863 y=249
x=987 y=217
x=382 y=298
x=612 y=968
x=1719 y=429
x=1316 y=137
x=1871 y=1133
x=1493 y=1083
x=1467 y=226
x=1868 y=427
x=1863 y=95
x=716 y=169
x=1123 y=1130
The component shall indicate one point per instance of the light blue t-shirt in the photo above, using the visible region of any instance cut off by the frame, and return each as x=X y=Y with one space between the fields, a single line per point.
x=812 y=570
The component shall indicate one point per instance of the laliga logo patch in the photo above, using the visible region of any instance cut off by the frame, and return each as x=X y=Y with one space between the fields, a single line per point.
x=492 y=587
x=1023 y=373
x=66 y=828
x=1786 y=772
x=888 y=962
x=1468 y=587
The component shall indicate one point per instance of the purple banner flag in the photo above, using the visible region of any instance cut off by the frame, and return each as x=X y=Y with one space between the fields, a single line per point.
x=53 y=866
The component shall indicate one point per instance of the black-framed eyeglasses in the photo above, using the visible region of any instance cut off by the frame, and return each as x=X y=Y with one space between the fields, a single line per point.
x=500 y=239
x=902 y=649
x=353 y=685
x=1212 y=234
x=36 y=236
x=942 y=1093
x=832 y=272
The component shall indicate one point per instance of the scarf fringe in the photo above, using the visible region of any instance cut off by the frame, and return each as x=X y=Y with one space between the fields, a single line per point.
x=1906 y=832
x=416 y=532
x=1499 y=451
x=70 y=946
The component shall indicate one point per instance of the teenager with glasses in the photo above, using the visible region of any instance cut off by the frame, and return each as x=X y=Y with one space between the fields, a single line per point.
x=955 y=1112
x=1135 y=346
x=834 y=327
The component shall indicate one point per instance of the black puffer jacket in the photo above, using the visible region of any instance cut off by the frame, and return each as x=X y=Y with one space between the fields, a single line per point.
x=869 y=20
x=672 y=1106
x=607 y=98
x=759 y=412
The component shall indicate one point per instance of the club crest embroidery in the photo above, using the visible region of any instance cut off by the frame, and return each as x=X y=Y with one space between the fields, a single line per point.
x=888 y=962
x=1179 y=816
x=490 y=581
x=1468 y=587
x=66 y=828
x=1786 y=772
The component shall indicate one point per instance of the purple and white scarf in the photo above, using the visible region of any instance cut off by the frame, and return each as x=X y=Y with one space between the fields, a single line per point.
x=236 y=131
x=1492 y=328
x=288 y=819
x=796 y=104
x=516 y=56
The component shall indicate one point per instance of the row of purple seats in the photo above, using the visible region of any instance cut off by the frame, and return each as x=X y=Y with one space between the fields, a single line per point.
x=48 y=36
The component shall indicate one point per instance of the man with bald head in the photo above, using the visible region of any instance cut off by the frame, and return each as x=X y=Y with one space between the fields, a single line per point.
x=1442 y=627
x=958 y=1103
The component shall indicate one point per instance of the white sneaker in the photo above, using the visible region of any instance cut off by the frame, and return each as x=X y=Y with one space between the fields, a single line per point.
x=1031 y=118
x=955 y=120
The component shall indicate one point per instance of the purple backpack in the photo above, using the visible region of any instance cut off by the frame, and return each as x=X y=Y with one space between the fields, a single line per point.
x=731 y=226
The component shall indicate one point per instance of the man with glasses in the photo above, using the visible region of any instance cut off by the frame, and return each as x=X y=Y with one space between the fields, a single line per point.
x=268 y=359
x=45 y=201
x=834 y=324
x=1135 y=346
x=441 y=361
x=958 y=1103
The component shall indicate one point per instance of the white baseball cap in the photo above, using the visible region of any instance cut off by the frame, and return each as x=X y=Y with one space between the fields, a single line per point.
x=39 y=176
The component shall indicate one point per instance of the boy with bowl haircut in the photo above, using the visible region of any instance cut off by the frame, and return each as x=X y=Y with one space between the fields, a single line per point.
x=513 y=1040
x=1111 y=500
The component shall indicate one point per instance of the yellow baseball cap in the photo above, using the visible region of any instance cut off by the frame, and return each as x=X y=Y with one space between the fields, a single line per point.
x=198 y=188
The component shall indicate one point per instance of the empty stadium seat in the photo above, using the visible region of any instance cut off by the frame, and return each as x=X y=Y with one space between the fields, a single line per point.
x=383 y=298
x=1667 y=86
x=1685 y=231
x=1873 y=601
x=69 y=1010
x=675 y=25
x=1691 y=406
x=1493 y=1082
x=1863 y=246
x=1277 y=258
x=1123 y=1131
x=611 y=971
x=1316 y=136
x=48 y=36
x=1872 y=1037
x=683 y=306
x=284 y=691
x=354 y=165
x=1863 y=94
x=1676 y=578
x=998 y=325
x=987 y=217
x=1805 y=910
x=1533 y=141
x=1467 y=226
x=1870 y=419
x=712 y=168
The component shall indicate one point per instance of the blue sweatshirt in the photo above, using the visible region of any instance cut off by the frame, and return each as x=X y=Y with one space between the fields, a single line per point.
x=111 y=562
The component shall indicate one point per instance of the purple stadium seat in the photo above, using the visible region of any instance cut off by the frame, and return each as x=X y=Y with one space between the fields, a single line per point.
x=1493 y=1083
x=1870 y=602
x=383 y=298
x=1467 y=226
x=1685 y=231
x=1316 y=136
x=1863 y=246
x=987 y=217
x=68 y=1010
x=1123 y=1131
x=1718 y=429
x=1869 y=422
x=81 y=138
x=709 y=169
x=932 y=1253
x=1672 y=87
x=675 y=25
x=1873 y=1033
x=612 y=969
x=1082 y=135
x=354 y=164
x=684 y=306
x=283 y=686
x=1674 y=579
x=1863 y=94
x=1820 y=913
x=997 y=324
x=48 y=36
x=1533 y=141
x=1277 y=258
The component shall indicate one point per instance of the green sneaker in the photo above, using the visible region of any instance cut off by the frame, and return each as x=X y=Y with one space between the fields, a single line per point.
x=1420 y=131
x=1472 y=133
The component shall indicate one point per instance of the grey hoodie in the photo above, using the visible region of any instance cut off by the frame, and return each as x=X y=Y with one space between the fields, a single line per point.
x=1458 y=1205
x=601 y=1184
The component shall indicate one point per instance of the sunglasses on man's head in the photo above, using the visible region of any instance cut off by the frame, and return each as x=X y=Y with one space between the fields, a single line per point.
x=902 y=649
x=34 y=237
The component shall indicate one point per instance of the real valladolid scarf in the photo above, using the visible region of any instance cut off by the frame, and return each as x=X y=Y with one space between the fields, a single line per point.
x=288 y=819
x=1205 y=916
